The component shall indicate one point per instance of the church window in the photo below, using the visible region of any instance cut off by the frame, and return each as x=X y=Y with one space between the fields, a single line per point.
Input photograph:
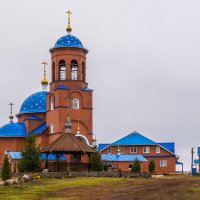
x=53 y=71
x=75 y=104
x=52 y=103
x=74 y=70
x=62 y=70
x=83 y=71
x=52 y=128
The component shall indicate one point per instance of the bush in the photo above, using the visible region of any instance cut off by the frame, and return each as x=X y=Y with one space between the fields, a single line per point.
x=6 y=169
x=96 y=163
x=106 y=167
x=136 y=167
x=30 y=156
x=152 y=166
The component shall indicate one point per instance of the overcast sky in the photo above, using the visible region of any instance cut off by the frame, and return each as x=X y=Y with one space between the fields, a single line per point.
x=143 y=63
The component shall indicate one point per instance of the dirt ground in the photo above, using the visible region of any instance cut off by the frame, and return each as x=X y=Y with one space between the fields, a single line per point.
x=170 y=187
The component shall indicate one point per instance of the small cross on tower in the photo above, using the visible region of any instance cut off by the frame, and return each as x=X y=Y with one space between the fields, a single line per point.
x=69 y=29
x=11 y=112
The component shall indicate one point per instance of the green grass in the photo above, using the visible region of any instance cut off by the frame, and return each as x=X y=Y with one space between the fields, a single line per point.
x=38 y=188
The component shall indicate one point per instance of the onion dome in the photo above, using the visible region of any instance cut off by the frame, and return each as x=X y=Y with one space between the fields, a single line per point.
x=36 y=103
x=13 y=130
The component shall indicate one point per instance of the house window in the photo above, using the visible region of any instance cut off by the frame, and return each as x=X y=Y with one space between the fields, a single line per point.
x=146 y=149
x=62 y=70
x=109 y=150
x=75 y=104
x=163 y=163
x=52 y=128
x=157 y=149
x=133 y=150
x=122 y=150
x=130 y=166
x=74 y=70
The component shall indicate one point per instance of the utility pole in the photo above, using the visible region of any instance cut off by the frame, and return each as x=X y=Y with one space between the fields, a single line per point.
x=192 y=152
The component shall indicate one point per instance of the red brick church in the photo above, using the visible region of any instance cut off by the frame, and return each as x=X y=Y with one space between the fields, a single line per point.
x=44 y=113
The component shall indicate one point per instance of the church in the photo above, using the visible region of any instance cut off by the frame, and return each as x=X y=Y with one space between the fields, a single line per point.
x=66 y=107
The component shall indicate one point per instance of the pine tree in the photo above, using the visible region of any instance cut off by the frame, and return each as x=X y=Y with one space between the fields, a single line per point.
x=30 y=156
x=136 y=166
x=96 y=163
x=6 y=169
x=152 y=166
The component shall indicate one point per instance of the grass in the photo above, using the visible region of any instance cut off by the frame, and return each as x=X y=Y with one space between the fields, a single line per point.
x=38 y=188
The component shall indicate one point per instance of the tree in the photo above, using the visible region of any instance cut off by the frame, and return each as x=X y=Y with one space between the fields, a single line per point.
x=30 y=156
x=136 y=166
x=96 y=163
x=6 y=169
x=152 y=166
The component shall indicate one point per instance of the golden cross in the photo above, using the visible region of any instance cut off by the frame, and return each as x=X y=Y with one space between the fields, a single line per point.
x=44 y=63
x=69 y=13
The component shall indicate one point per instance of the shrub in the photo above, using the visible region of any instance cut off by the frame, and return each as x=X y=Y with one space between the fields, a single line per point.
x=96 y=163
x=30 y=156
x=106 y=167
x=6 y=169
x=152 y=166
x=136 y=167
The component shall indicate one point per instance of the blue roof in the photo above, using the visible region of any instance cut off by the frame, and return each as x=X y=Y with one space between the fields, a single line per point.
x=69 y=41
x=62 y=87
x=134 y=139
x=122 y=157
x=86 y=89
x=179 y=163
x=34 y=103
x=33 y=117
x=13 y=130
x=196 y=161
x=168 y=145
x=198 y=150
x=102 y=146
x=17 y=155
x=40 y=128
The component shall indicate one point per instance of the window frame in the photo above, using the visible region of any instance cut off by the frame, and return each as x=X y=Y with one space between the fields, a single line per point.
x=121 y=150
x=133 y=151
x=109 y=150
x=145 y=149
x=163 y=163
x=52 y=128
x=157 y=151
x=62 y=71
x=74 y=70
x=74 y=103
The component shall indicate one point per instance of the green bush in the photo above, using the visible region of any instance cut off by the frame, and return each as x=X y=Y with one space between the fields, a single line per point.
x=30 y=156
x=136 y=167
x=96 y=163
x=6 y=169
x=152 y=166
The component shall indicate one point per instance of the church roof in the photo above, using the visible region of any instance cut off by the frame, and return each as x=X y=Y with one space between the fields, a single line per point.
x=68 y=143
x=40 y=128
x=13 y=130
x=34 y=103
x=69 y=41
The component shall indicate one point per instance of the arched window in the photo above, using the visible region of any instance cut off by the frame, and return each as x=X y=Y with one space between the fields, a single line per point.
x=53 y=72
x=74 y=70
x=62 y=70
x=83 y=71
x=52 y=103
x=75 y=104
x=130 y=166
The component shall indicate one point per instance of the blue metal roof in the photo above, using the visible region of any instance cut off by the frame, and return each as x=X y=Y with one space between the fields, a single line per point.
x=86 y=89
x=196 y=161
x=13 y=130
x=102 y=146
x=69 y=41
x=34 y=103
x=134 y=139
x=62 y=87
x=122 y=157
x=179 y=163
x=198 y=150
x=33 y=117
x=40 y=128
x=168 y=145
x=17 y=156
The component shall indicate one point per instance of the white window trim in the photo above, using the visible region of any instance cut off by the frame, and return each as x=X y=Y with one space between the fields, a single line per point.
x=51 y=128
x=74 y=99
x=133 y=151
x=157 y=151
x=109 y=150
x=130 y=164
x=163 y=163
x=121 y=151
x=147 y=147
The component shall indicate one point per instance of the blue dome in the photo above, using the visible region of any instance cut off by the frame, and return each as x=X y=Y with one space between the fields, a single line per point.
x=35 y=103
x=13 y=130
x=69 y=41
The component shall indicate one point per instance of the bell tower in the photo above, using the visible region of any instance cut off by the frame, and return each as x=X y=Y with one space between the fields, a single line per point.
x=68 y=88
